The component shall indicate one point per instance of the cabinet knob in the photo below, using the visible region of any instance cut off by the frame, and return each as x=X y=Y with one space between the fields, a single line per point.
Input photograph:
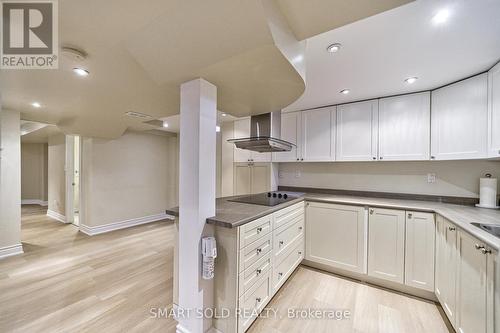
x=300 y=228
x=374 y=158
x=300 y=253
x=381 y=157
x=259 y=229
x=280 y=274
x=410 y=215
x=485 y=251
x=478 y=247
x=259 y=251
x=258 y=299
x=433 y=157
x=372 y=211
x=281 y=242
x=301 y=159
x=452 y=228
x=298 y=159
x=259 y=271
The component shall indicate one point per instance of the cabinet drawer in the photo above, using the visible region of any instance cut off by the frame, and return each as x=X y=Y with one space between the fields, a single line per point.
x=253 y=301
x=248 y=277
x=284 y=236
x=287 y=214
x=283 y=270
x=252 y=231
x=255 y=251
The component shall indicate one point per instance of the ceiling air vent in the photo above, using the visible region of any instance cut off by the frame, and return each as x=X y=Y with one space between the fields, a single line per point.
x=138 y=115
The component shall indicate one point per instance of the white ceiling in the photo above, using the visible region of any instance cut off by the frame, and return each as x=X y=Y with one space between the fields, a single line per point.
x=379 y=52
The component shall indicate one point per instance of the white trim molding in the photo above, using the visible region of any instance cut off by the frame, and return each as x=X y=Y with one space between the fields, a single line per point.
x=34 y=202
x=91 y=230
x=11 y=250
x=56 y=216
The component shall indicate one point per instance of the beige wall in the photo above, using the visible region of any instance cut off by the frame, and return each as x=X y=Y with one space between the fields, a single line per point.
x=56 y=174
x=226 y=159
x=454 y=178
x=131 y=177
x=34 y=171
x=10 y=179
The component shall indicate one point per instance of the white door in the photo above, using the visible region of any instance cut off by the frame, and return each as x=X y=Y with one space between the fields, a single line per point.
x=419 y=257
x=336 y=236
x=404 y=127
x=386 y=248
x=459 y=120
x=473 y=301
x=357 y=131
x=290 y=131
x=242 y=179
x=260 y=178
x=318 y=134
x=242 y=130
x=446 y=267
x=494 y=112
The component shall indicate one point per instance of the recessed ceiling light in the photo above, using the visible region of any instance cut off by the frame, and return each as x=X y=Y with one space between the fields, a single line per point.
x=81 y=71
x=345 y=91
x=334 y=47
x=224 y=114
x=165 y=124
x=411 y=80
x=36 y=105
x=217 y=128
x=441 y=16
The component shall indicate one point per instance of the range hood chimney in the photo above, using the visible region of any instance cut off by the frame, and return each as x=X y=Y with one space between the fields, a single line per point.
x=265 y=135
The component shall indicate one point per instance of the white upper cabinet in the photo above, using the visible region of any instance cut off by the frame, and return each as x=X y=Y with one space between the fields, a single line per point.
x=290 y=131
x=494 y=112
x=318 y=134
x=404 y=127
x=459 y=120
x=357 y=131
x=242 y=130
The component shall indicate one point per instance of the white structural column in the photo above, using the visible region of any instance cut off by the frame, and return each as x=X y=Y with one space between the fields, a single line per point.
x=197 y=172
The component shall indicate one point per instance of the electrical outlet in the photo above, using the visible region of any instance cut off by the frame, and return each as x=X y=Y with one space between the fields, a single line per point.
x=431 y=178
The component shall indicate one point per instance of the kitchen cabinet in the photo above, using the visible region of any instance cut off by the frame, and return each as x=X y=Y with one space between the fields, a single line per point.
x=386 y=244
x=357 y=131
x=459 y=120
x=404 y=127
x=242 y=130
x=291 y=132
x=251 y=178
x=475 y=281
x=494 y=111
x=446 y=263
x=336 y=236
x=318 y=134
x=419 y=254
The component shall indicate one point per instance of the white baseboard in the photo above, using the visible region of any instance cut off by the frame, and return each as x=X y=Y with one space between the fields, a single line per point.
x=34 y=202
x=56 y=216
x=181 y=329
x=91 y=231
x=11 y=250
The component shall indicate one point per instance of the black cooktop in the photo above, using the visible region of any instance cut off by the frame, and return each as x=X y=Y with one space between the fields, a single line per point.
x=267 y=198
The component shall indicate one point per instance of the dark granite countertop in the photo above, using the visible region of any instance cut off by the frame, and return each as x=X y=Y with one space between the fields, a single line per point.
x=232 y=214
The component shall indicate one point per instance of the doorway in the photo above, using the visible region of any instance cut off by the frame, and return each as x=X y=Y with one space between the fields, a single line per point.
x=73 y=188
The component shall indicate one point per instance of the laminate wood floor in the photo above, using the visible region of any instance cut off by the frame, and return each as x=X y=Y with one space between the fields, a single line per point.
x=69 y=282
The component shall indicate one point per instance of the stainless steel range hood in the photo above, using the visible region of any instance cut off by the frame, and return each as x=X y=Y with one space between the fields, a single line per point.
x=265 y=135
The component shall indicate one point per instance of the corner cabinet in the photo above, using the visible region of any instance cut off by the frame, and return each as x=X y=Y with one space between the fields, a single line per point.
x=357 y=131
x=336 y=236
x=459 y=120
x=404 y=127
x=494 y=111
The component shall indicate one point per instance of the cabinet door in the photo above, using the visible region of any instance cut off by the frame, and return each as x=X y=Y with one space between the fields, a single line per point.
x=446 y=267
x=336 y=236
x=318 y=134
x=404 y=127
x=291 y=132
x=494 y=111
x=242 y=130
x=242 y=179
x=386 y=248
x=357 y=131
x=459 y=120
x=260 y=157
x=260 y=178
x=419 y=257
x=474 y=302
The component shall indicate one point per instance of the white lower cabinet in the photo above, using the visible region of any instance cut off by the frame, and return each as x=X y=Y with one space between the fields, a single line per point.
x=386 y=244
x=446 y=262
x=419 y=254
x=336 y=236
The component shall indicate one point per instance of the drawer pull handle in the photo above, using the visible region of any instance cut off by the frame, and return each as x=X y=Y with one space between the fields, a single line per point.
x=258 y=299
x=281 y=243
x=452 y=228
x=259 y=229
x=478 y=247
x=410 y=215
x=259 y=271
x=485 y=251
x=259 y=251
